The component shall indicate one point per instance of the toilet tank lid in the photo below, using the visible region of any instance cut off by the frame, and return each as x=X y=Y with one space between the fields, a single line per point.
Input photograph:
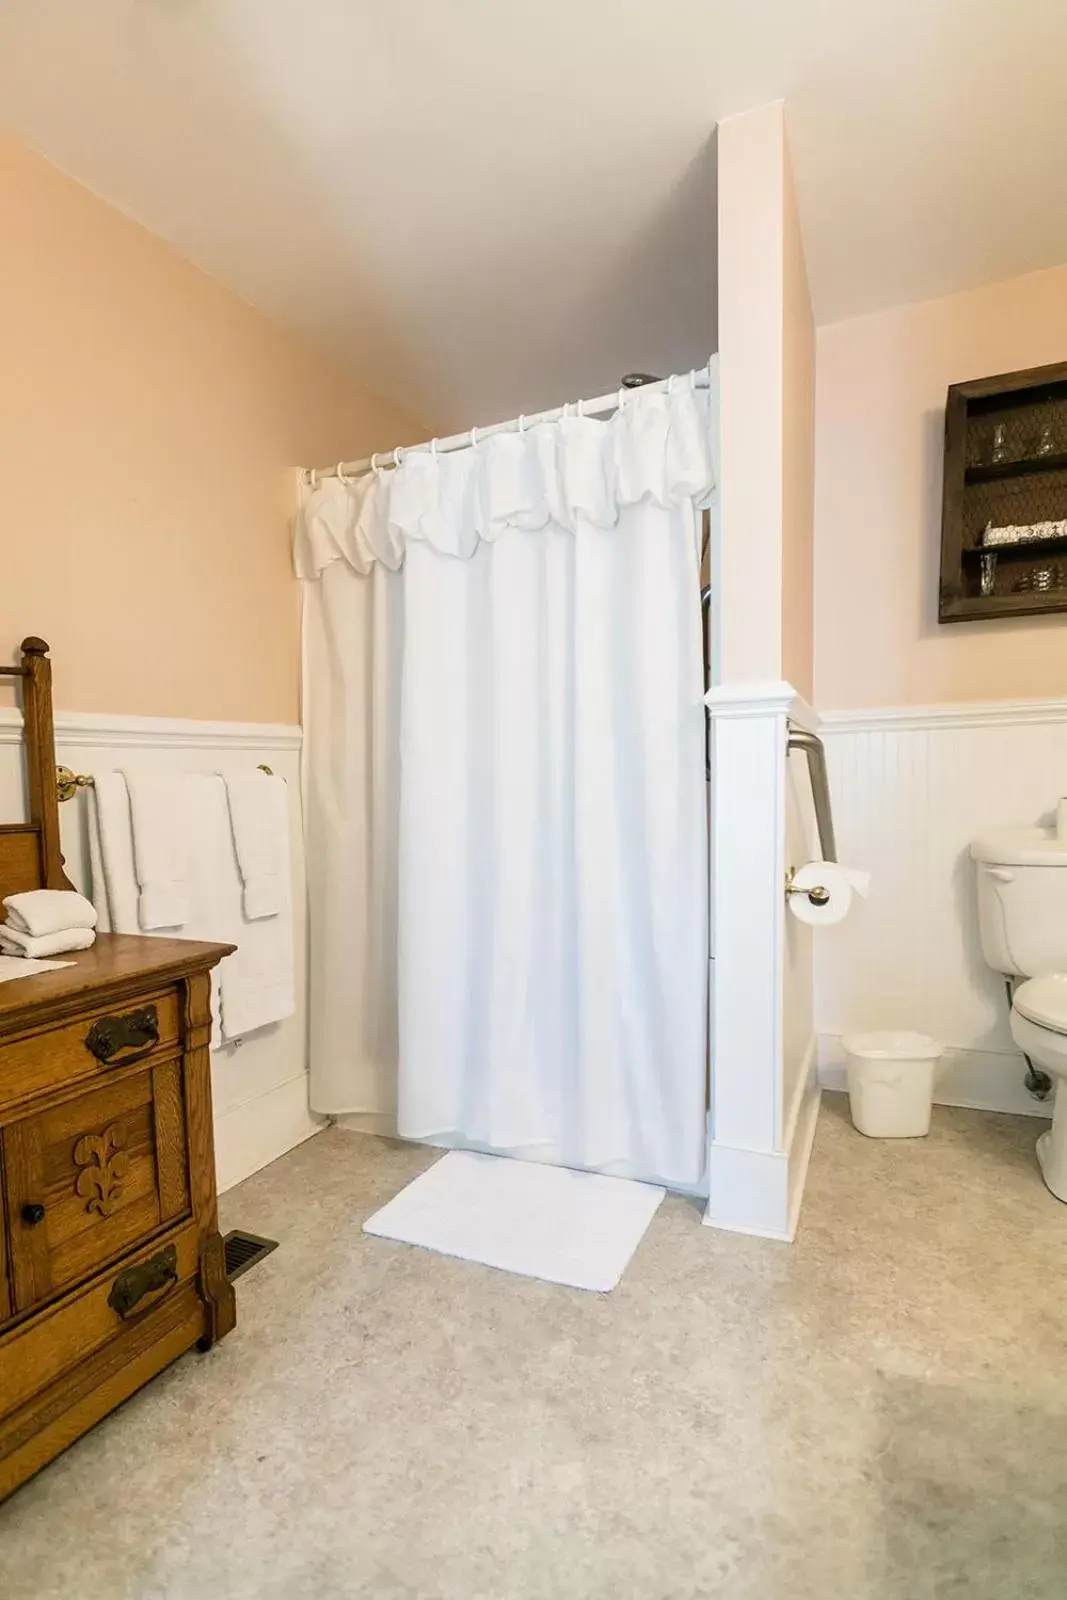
x=1044 y=1001
x=1020 y=847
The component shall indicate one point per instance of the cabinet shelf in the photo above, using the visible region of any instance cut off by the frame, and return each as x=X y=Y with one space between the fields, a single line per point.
x=1029 y=547
x=993 y=471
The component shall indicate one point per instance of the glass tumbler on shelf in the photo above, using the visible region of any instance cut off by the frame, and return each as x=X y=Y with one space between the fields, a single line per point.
x=1000 y=443
x=1045 y=445
x=988 y=572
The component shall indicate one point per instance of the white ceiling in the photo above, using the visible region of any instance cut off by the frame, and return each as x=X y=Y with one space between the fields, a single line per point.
x=486 y=206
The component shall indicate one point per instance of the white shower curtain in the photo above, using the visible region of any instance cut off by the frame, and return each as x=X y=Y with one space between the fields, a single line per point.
x=505 y=792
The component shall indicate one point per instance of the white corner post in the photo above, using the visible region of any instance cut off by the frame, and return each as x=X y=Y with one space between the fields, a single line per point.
x=764 y=1089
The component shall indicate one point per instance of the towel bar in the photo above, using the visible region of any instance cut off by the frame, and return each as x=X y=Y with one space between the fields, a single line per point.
x=69 y=782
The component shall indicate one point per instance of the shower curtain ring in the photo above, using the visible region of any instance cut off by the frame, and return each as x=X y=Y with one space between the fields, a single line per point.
x=398 y=455
x=340 y=470
x=374 y=462
x=522 y=423
x=474 y=438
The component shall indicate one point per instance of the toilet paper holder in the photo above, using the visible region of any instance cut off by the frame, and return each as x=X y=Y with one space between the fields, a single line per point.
x=817 y=894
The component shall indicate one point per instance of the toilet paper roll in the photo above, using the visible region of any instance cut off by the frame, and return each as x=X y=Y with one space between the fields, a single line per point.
x=839 y=882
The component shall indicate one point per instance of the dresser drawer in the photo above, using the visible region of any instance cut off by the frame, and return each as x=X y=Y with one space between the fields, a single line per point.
x=99 y=1041
x=89 y=1178
x=144 y=1291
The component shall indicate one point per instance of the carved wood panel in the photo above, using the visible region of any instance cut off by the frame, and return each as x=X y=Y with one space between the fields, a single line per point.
x=83 y=1183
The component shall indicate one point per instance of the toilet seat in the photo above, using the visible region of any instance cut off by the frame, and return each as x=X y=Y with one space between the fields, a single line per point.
x=1043 y=1001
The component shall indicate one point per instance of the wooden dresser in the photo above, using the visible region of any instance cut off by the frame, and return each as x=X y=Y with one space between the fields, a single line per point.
x=111 y=1263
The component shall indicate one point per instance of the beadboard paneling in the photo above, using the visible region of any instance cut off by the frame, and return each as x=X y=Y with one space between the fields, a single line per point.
x=259 y=1083
x=910 y=790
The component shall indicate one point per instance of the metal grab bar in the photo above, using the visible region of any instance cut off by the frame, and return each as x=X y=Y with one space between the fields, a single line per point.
x=705 y=625
x=814 y=750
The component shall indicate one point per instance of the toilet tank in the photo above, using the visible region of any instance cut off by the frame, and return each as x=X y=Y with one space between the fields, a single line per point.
x=1022 y=900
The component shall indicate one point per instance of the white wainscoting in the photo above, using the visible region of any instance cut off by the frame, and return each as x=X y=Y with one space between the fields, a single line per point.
x=911 y=787
x=260 y=1084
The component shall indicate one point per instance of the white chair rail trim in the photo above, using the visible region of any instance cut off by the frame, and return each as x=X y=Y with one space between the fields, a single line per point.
x=104 y=730
x=967 y=714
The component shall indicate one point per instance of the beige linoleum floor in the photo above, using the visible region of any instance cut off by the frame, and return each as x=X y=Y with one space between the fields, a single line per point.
x=878 y=1411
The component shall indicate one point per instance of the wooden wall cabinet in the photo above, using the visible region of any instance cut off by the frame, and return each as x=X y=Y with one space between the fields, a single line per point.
x=1005 y=466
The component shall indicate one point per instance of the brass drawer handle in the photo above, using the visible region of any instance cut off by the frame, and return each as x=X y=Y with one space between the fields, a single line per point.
x=158 y=1272
x=133 y=1030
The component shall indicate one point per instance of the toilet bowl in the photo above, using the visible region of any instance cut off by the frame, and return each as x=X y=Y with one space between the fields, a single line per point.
x=1039 y=1028
x=1022 y=921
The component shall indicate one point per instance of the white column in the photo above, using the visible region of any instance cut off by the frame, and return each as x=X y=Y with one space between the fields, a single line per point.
x=760 y=1140
x=763 y=1083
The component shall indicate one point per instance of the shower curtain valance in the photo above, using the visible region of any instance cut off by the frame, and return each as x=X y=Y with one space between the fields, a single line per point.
x=655 y=448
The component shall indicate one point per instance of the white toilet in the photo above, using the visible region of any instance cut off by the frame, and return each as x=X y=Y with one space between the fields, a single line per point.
x=1022 y=916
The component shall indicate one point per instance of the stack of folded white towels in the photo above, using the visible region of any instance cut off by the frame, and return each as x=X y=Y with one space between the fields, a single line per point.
x=47 y=922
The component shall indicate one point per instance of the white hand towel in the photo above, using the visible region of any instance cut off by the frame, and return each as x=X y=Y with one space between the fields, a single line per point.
x=13 y=942
x=260 y=840
x=256 y=984
x=15 y=967
x=161 y=852
x=41 y=911
x=111 y=855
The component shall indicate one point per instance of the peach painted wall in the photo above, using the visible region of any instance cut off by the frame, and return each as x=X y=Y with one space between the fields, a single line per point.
x=766 y=368
x=881 y=383
x=150 y=422
x=798 y=452
x=748 y=617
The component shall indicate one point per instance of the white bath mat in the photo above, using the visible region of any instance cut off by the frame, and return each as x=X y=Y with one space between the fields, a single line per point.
x=576 y=1228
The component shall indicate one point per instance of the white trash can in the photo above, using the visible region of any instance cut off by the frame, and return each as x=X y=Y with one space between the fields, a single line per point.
x=891 y=1083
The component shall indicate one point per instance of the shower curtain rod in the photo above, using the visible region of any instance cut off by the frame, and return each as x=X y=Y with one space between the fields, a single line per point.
x=459 y=441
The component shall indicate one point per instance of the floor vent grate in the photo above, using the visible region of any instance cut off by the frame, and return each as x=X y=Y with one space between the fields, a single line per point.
x=244 y=1250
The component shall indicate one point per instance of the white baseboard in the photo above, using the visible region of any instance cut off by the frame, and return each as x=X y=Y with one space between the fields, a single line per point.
x=760 y=1191
x=256 y=1132
x=979 y=1080
x=748 y=1191
x=800 y=1137
x=381 y=1124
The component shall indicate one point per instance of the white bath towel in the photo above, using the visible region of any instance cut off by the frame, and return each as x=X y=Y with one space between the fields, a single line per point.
x=115 y=891
x=161 y=852
x=256 y=984
x=259 y=818
x=13 y=942
x=41 y=911
x=111 y=855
